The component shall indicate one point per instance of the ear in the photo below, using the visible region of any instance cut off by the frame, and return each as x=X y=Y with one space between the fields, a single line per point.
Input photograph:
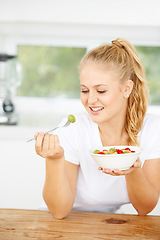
x=128 y=88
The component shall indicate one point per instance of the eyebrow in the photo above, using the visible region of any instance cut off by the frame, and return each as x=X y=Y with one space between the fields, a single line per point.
x=98 y=85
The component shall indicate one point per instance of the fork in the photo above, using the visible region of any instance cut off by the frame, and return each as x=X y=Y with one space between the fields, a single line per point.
x=60 y=126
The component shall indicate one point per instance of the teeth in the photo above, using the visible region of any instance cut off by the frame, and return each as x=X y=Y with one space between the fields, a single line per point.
x=96 y=109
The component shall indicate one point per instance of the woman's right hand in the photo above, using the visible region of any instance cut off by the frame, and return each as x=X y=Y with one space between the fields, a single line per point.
x=47 y=146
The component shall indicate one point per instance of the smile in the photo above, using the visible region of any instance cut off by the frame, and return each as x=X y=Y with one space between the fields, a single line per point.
x=96 y=109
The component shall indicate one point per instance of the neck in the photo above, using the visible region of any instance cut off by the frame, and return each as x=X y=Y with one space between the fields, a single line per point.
x=113 y=133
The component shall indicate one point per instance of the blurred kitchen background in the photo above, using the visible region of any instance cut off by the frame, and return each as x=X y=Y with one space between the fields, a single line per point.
x=41 y=44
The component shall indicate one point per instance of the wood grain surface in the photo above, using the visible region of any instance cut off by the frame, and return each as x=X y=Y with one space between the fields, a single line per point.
x=20 y=224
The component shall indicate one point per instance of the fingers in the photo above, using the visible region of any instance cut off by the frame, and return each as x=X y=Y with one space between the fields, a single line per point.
x=51 y=146
x=42 y=143
x=111 y=172
x=47 y=145
x=117 y=172
x=38 y=142
x=108 y=171
x=137 y=164
x=51 y=143
x=46 y=142
x=57 y=144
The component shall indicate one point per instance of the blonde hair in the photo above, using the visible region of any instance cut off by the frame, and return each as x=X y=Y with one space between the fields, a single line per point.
x=123 y=56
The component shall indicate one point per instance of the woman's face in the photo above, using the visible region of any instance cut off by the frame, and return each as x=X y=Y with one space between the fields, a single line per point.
x=102 y=94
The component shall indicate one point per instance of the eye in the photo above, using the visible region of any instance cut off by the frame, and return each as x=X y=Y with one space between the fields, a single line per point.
x=101 y=91
x=84 y=91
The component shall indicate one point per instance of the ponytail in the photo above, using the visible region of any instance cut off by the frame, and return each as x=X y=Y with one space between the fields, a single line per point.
x=138 y=100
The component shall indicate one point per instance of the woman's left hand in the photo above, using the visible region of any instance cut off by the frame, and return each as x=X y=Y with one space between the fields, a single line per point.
x=117 y=172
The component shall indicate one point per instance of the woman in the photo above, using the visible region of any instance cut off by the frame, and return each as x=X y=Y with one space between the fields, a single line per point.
x=114 y=93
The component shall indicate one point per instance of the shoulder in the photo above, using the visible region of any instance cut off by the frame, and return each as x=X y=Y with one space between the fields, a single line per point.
x=149 y=136
x=151 y=118
x=150 y=128
x=151 y=122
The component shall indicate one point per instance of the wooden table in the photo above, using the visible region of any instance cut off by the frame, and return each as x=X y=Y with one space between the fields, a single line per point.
x=37 y=224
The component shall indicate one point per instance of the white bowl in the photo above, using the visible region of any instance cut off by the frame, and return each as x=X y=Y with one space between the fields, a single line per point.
x=116 y=161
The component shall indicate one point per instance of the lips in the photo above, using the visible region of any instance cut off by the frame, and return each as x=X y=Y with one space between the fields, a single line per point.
x=96 y=109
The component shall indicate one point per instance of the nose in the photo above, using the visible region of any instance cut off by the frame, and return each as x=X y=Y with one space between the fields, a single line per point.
x=92 y=98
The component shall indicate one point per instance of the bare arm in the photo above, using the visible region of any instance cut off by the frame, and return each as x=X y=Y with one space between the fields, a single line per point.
x=61 y=176
x=143 y=184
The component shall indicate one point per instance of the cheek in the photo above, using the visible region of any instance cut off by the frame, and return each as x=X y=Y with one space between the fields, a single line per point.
x=83 y=99
x=113 y=99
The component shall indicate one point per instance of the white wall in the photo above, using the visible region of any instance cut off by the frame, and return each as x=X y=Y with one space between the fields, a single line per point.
x=115 y=12
x=78 y=23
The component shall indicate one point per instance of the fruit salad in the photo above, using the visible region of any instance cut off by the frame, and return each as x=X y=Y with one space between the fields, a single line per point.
x=113 y=151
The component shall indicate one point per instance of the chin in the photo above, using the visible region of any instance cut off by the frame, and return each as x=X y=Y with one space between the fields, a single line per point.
x=96 y=118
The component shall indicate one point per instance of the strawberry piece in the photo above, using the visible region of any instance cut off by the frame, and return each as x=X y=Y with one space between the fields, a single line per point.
x=105 y=151
x=119 y=151
x=101 y=153
x=127 y=149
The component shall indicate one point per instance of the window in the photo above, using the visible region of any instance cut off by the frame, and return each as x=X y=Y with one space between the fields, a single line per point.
x=150 y=58
x=50 y=71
